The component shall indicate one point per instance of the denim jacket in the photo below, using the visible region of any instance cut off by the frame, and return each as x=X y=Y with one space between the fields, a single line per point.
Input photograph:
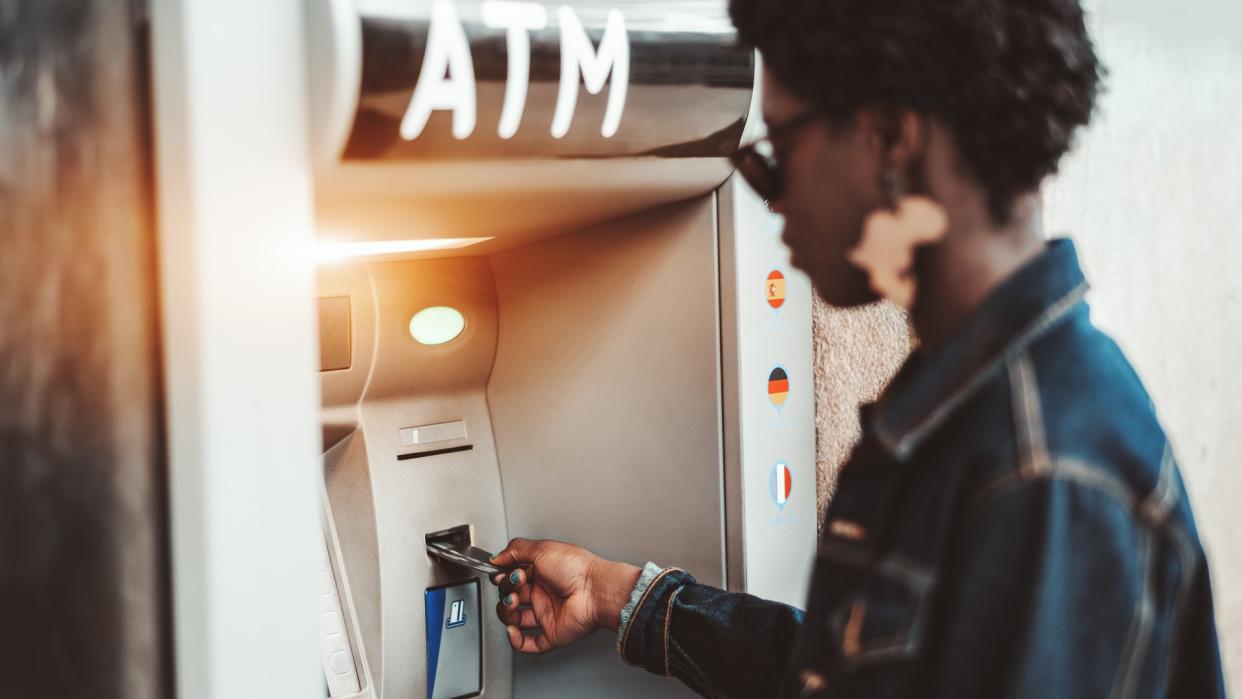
x=1012 y=523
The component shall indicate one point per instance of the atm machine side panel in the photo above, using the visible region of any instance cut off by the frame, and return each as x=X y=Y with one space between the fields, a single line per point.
x=423 y=486
x=430 y=463
x=606 y=400
x=769 y=403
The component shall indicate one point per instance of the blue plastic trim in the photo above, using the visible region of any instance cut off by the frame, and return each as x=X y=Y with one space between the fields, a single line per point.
x=434 y=603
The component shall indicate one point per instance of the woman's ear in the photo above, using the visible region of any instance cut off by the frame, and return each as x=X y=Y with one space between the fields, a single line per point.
x=908 y=139
x=898 y=137
x=877 y=130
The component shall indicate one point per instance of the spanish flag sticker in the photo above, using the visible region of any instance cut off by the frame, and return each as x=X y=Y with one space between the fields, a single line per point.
x=778 y=386
x=774 y=287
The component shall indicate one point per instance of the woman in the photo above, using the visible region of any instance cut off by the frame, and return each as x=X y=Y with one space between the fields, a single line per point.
x=1012 y=521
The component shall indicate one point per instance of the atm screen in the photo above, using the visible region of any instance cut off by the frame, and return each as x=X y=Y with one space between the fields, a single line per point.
x=454 y=641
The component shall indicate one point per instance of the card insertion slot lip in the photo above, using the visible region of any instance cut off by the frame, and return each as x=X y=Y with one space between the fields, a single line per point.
x=434 y=452
x=468 y=556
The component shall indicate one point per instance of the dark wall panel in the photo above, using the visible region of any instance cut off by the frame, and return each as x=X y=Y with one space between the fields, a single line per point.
x=83 y=579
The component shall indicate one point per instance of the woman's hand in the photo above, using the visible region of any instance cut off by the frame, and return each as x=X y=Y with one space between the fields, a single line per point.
x=561 y=593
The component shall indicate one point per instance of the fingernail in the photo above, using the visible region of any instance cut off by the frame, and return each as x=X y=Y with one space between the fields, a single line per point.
x=508 y=600
x=515 y=577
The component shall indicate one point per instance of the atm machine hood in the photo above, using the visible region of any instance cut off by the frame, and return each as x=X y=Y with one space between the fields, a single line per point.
x=493 y=124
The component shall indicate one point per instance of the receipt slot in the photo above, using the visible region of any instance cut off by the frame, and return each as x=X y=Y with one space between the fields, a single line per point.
x=547 y=310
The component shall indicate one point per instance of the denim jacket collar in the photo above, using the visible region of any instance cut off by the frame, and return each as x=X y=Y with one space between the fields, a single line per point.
x=929 y=388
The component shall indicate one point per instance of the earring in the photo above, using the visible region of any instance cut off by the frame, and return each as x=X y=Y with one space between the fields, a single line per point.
x=890 y=235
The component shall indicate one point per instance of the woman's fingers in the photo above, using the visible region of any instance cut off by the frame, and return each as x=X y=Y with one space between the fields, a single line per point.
x=517 y=552
x=514 y=606
x=521 y=594
x=517 y=615
x=515 y=636
x=528 y=643
x=515 y=579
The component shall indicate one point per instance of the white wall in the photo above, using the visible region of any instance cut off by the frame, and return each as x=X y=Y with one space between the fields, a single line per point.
x=242 y=392
x=1153 y=197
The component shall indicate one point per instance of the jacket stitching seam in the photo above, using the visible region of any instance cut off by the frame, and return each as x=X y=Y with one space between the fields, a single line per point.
x=668 y=620
x=1185 y=552
x=1152 y=510
x=904 y=444
x=1075 y=471
x=896 y=566
x=1160 y=502
x=1140 y=629
x=1028 y=416
x=690 y=667
x=900 y=645
x=917 y=580
x=1059 y=468
x=638 y=608
x=691 y=680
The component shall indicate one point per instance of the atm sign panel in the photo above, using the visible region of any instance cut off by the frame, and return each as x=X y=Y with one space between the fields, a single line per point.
x=471 y=80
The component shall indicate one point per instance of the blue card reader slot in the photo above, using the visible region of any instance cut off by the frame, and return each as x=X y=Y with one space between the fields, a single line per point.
x=454 y=641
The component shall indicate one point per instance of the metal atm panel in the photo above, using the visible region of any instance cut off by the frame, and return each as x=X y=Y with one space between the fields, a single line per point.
x=579 y=207
x=614 y=391
x=418 y=491
x=607 y=388
x=606 y=401
x=386 y=493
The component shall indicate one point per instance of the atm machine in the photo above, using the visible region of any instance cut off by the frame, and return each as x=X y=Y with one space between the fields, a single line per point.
x=546 y=309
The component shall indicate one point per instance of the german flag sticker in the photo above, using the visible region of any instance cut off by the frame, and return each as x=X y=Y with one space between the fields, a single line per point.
x=778 y=386
x=774 y=288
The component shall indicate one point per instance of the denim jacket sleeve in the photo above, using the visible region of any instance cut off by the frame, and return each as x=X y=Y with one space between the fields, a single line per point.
x=718 y=643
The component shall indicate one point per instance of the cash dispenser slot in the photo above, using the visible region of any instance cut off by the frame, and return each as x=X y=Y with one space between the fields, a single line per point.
x=434 y=452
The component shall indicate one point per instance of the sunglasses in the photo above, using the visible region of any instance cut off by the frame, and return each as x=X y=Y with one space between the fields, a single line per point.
x=758 y=162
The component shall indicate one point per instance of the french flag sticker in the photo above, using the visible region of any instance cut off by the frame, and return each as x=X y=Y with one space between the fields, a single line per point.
x=780 y=483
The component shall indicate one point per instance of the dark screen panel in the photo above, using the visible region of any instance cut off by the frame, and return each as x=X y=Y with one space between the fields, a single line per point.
x=335 y=346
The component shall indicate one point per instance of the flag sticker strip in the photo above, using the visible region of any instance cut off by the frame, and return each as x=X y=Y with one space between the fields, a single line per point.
x=778 y=386
x=774 y=288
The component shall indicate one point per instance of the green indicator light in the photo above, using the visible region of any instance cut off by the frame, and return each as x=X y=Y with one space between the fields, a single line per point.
x=437 y=325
